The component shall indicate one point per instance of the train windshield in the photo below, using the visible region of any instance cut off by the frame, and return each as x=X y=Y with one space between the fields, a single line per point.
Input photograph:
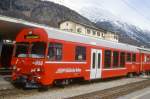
x=37 y=50
x=32 y=50
x=22 y=49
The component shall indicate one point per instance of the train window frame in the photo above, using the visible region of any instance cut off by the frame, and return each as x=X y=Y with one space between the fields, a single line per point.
x=133 y=57
x=107 y=59
x=122 y=59
x=93 y=60
x=147 y=58
x=37 y=52
x=115 y=59
x=80 y=53
x=22 y=44
x=128 y=57
x=55 y=47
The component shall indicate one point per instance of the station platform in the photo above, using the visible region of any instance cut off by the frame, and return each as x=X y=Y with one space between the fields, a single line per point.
x=5 y=71
x=5 y=82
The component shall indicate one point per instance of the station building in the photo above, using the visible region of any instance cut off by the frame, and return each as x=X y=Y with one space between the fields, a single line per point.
x=84 y=29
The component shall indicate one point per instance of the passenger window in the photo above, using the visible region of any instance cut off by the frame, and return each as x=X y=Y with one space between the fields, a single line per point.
x=107 y=60
x=115 y=59
x=80 y=53
x=99 y=60
x=93 y=66
x=55 y=51
x=128 y=57
x=148 y=59
x=133 y=57
x=122 y=59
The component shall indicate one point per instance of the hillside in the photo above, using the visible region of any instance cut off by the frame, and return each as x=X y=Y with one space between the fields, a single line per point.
x=43 y=12
x=127 y=33
x=52 y=14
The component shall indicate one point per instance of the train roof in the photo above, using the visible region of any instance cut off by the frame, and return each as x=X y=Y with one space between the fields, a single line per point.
x=73 y=37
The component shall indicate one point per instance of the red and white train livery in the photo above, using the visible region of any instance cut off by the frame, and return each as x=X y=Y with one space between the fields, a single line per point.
x=48 y=56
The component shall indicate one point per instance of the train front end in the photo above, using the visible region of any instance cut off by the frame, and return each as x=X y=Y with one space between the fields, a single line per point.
x=28 y=58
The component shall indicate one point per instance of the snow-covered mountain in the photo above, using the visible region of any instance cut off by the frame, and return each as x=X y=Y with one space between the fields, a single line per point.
x=128 y=33
x=97 y=13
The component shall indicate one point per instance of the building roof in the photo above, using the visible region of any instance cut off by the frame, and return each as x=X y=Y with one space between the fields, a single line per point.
x=88 y=26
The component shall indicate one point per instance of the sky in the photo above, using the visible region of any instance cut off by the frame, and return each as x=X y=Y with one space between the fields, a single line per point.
x=136 y=12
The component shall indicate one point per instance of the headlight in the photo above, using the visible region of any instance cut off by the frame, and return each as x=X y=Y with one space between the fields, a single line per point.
x=14 y=67
x=38 y=69
x=32 y=70
x=39 y=77
x=18 y=69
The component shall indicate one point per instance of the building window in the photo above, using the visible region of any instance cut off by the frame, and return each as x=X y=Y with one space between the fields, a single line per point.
x=115 y=59
x=103 y=35
x=88 y=31
x=79 y=30
x=55 y=51
x=67 y=24
x=98 y=34
x=80 y=53
x=116 y=37
x=133 y=57
x=94 y=32
x=71 y=30
x=107 y=60
x=128 y=57
x=122 y=59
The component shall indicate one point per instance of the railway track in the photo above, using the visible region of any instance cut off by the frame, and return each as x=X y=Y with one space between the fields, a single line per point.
x=115 y=92
x=110 y=93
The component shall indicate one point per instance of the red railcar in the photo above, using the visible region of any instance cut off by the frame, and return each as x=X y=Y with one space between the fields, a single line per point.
x=48 y=56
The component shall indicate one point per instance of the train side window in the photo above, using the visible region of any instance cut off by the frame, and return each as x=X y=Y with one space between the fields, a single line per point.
x=107 y=60
x=148 y=59
x=93 y=63
x=122 y=59
x=80 y=53
x=128 y=57
x=115 y=59
x=55 y=51
x=145 y=58
x=133 y=57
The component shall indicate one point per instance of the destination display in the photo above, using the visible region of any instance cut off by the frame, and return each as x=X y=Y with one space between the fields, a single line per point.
x=32 y=36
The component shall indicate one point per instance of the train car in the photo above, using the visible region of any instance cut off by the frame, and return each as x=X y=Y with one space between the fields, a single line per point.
x=49 y=56
x=144 y=60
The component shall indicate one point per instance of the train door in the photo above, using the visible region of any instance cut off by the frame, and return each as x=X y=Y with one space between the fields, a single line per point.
x=96 y=64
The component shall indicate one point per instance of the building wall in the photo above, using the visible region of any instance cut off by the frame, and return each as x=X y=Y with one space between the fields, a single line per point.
x=68 y=26
x=78 y=28
x=112 y=37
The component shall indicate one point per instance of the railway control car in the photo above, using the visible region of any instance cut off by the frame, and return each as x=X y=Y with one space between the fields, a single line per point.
x=49 y=56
